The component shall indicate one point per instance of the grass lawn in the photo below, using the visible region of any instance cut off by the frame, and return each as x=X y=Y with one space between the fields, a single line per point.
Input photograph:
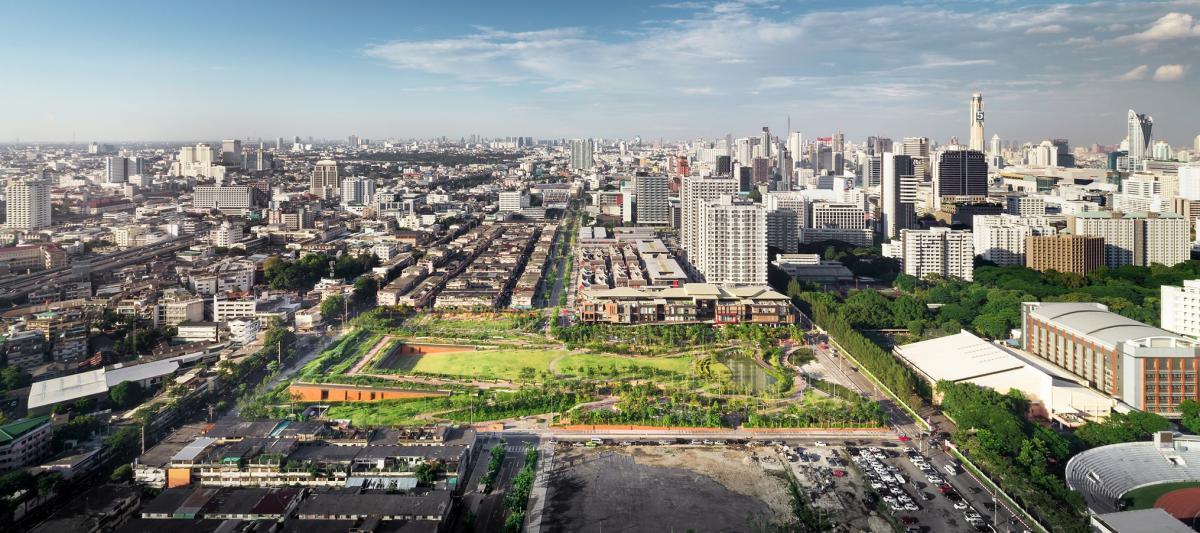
x=387 y=412
x=472 y=327
x=503 y=364
x=1145 y=497
x=614 y=366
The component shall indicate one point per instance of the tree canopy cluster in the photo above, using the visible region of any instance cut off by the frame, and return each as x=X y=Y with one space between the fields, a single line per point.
x=304 y=273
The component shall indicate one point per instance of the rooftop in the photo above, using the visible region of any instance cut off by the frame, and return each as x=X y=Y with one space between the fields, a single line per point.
x=14 y=430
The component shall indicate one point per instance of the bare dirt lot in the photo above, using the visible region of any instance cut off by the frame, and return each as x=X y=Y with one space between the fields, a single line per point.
x=664 y=488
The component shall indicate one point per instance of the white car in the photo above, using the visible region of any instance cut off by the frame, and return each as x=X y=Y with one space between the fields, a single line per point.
x=911 y=507
x=876 y=485
x=960 y=505
x=896 y=491
x=821 y=443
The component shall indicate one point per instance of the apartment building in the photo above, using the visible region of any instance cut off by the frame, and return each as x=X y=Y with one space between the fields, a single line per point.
x=940 y=251
x=1076 y=254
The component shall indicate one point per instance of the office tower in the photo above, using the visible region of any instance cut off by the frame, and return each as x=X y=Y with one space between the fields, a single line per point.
x=838 y=143
x=357 y=190
x=783 y=230
x=27 y=204
x=204 y=154
x=960 y=173
x=897 y=195
x=116 y=169
x=1062 y=153
x=976 y=122
x=724 y=166
x=1196 y=145
x=1162 y=151
x=261 y=161
x=1140 y=240
x=1189 y=182
x=745 y=181
x=761 y=172
x=995 y=148
x=324 y=182
x=695 y=191
x=231 y=152
x=915 y=147
x=1181 y=308
x=1075 y=254
x=795 y=144
x=352 y=141
x=873 y=172
x=653 y=205
x=1001 y=238
x=942 y=251
x=764 y=142
x=838 y=215
x=278 y=144
x=1025 y=206
x=1140 y=136
x=732 y=242
x=581 y=155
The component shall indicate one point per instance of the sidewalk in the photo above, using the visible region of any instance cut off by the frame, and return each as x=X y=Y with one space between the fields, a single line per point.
x=541 y=484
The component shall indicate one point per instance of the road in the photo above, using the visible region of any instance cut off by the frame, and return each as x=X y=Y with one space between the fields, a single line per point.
x=20 y=286
x=489 y=508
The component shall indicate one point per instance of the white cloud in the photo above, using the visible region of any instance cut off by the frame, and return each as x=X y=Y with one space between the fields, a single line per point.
x=1169 y=72
x=1168 y=27
x=1046 y=30
x=1138 y=73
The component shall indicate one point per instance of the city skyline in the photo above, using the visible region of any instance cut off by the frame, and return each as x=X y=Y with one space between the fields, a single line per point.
x=675 y=71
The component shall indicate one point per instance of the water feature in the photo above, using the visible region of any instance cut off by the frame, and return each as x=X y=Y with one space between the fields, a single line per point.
x=746 y=375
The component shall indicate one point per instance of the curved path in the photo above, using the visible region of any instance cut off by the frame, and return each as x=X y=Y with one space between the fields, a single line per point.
x=370 y=355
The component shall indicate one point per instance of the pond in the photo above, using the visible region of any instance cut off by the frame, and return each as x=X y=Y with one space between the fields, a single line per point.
x=746 y=374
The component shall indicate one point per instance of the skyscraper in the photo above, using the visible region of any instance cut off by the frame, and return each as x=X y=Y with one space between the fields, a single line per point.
x=116 y=169
x=1140 y=131
x=795 y=144
x=695 y=191
x=581 y=154
x=898 y=194
x=231 y=152
x=357 y=191
x=27 y=204
x=732 y=237
x=995 y=147
x=653 y=207
x=960 y=173
x=977 y=121
x=765 y=142
x=324 y=182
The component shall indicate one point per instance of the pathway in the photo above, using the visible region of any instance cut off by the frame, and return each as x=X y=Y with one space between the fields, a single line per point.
x=370 y=355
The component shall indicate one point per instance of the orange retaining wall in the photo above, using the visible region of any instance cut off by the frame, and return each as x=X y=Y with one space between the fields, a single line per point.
x=417 y=348
x=347 y=393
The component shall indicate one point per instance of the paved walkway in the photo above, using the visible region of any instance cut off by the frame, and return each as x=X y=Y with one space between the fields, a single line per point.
x=370 y=356
x=541 y=485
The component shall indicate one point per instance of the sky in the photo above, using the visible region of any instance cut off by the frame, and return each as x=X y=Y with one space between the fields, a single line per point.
x=155 y=71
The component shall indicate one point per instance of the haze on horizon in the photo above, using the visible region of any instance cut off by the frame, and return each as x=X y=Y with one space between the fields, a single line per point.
x=125 y=71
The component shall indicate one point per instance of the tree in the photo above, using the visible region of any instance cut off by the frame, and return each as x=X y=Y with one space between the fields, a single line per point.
x=121 y=474
x=1190 y=418
x=332 y=307
x=365 y=288
x=126 y=394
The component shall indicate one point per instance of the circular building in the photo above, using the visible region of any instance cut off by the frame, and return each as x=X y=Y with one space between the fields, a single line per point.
x=1107 y=475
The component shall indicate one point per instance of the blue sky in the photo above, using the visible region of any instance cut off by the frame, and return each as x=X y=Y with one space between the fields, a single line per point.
x=171 y=71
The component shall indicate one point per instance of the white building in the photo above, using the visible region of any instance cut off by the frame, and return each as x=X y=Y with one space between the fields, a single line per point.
x=226 y=307
x=358 y=191
x=1189 y=182
x=1025 y=206
x=231 y=199
x=513 y=201
x=1001 y=238
x=844 y=216
x=697 y=190
x=581 y=154
x=1140 y=240
x=732 y=242
x=225 y=235
x=1181 y=308
x=941 y=251
x=27 y=204
x=243 y=331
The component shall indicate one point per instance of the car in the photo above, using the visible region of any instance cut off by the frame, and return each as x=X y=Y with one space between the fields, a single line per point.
x=972 y=516
x=838 y=472
x=876 y=485
x=905 y=438
x=945 y=489
x=896 y=490
x=626 y=443
x=911 y=507
x=906 y=520
x=960 y=505
x=821 y=443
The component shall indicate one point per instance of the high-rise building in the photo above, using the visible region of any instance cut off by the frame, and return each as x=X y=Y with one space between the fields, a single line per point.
x=915 y=147
x=976 y=122
x=695 y=191
x=1140 y=240
x=352 y=141
x=1025 y=206
x=783 y=230
x=357 y=190
x=1189 y=182
x=1075 y=254
x=1181 y=308
x=796 y=204
x=878 y=145
x=1001 y=238
x=581 y=154
x=995 y=148
x=511 y=201
x=942 y=251
x=898 y=195
x=324 y=182
x=873 y=171
x=843 y=216
x=732 y=237
x=761 y=170
x=653 y=205
x=116 y=169
x=230 y=199
x=1140 y=136
x=27 y=204
x=960 y=173
x=1162 y=151
x=764 y=143
x=231 y=152
x=795 y=144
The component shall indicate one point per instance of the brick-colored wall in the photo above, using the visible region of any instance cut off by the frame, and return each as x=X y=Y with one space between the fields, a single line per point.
x=313 y=393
